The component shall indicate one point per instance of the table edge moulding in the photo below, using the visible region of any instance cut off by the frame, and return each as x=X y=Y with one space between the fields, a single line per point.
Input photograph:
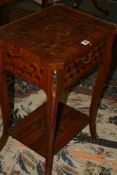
x=54 y=60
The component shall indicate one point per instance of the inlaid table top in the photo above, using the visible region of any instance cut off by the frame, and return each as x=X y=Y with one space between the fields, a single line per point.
x=52 y=35
x=57 y=36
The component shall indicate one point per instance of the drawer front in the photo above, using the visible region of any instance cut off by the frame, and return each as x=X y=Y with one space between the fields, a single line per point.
x=77 y=67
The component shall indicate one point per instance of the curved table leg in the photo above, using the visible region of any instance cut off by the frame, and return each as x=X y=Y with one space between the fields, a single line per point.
x=98 y=7
x=4 y=103
x=99 y=84
x=96 y=4
x=44 y=3
x=52 y=105
x=4 y=14
x=5 y=110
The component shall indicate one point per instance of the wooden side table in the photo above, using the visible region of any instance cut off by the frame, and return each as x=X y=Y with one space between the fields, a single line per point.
x=53 y=49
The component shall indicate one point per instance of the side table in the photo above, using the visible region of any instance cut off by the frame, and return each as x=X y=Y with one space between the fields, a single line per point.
x=53 y=49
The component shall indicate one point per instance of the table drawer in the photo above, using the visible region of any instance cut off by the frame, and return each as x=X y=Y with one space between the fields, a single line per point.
x=79 y=66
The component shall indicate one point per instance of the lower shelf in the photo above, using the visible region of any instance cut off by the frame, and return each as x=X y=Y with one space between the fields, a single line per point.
x=32 y=130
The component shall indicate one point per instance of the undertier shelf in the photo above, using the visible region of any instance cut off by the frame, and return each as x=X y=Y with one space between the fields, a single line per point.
x=32 y=130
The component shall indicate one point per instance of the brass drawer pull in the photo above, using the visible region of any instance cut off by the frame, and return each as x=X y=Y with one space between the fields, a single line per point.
x=86 y=59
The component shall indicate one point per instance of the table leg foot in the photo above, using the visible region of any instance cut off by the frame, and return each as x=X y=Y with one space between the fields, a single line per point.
x=49 y=167
x=93 y=131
